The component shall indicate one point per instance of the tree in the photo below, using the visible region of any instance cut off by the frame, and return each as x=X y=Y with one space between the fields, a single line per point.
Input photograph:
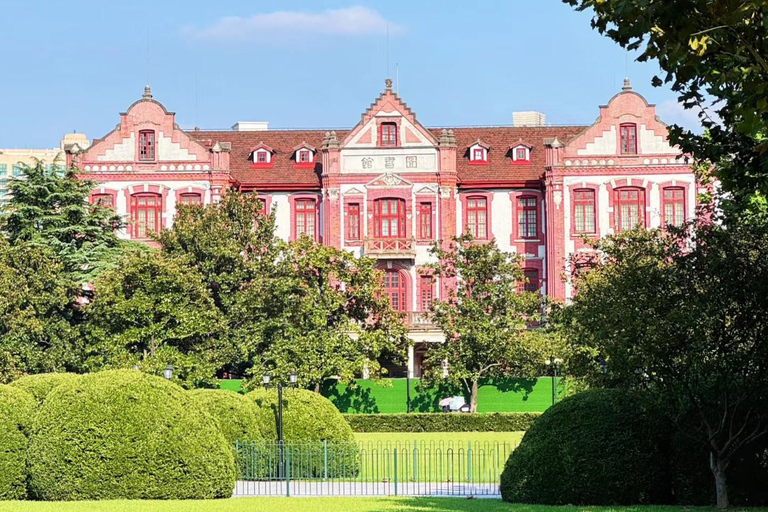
x=152 y=311
x=683 y=315
x=50 y=207
x=485 y=318
x=335 y=321
x=36 y=310
x=713 y=52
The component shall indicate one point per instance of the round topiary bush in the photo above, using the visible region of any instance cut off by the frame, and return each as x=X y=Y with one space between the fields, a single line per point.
x=600 y=447
x=122 y=434
x=41 y=384
x=16 y=409
x=236 y=416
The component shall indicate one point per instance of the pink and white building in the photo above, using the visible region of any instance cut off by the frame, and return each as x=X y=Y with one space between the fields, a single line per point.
x=389 y=187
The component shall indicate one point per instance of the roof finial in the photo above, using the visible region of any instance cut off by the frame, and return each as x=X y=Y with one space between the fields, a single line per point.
x=627 y=86
x=147 y=93
x=388 y=84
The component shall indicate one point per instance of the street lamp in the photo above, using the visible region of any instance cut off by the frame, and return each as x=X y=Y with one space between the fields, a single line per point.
x=266 y=379
x=293 y=378
x=168 y=372
x=553 y=362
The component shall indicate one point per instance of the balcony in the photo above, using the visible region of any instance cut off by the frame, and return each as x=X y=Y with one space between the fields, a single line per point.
x=419 y=321
x=390 y=248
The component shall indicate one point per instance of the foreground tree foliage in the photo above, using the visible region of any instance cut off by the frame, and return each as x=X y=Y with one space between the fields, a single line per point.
x=683 y=315
x=486 y=318
x=713 y=53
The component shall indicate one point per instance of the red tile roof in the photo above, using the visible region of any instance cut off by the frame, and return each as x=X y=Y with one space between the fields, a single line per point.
x=284 y=173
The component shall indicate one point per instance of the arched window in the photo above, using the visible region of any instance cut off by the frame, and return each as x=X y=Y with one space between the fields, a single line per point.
x=628 y=139
x=629 y=208
x=394 y=285
x=584 y=210
x=389 y=218
x=191 y=198
x=477 y=217
x=527 y=226
x=104 y=200
x=673 y=204
x=306 y=210
x=146 y=214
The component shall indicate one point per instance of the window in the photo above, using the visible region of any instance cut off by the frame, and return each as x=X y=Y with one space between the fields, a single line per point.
x=477 y=217
x=526 y=217
x=478 y=155
x=628 y=139
x=304 y=157
x=146 y=145
x=629 y=208
x=305 y=218
x=261 y=157
x=427 y=290
x=104 y=200
x=16 y=170
x=353 y=222
x=584 y=211
x=3 y=169
x=388 y=134
x=191 y=198
x=531 y=283
x=673 y=202
x=425 y=221
x=521 y=154
x=394 y=288
x=389 y=218
x=146 y=212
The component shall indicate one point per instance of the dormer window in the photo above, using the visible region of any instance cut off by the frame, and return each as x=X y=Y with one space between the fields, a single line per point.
x=262 y=155
x=388 y=134
x=304 y=155
x=521 y=153
x=478 y=153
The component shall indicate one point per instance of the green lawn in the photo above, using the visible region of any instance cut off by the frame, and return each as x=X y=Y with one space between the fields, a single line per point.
x=319 y=505
x=458 y=438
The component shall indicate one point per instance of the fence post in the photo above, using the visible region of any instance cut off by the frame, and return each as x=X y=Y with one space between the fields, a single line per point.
x=395 y=471
x=288 y=472
x=325 y=460
x=469 y=461
x=415 y=461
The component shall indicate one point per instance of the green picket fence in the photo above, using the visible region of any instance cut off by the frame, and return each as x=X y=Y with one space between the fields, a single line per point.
x=371 y=468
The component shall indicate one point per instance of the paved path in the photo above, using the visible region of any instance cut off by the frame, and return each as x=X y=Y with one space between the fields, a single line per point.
x=335 y=488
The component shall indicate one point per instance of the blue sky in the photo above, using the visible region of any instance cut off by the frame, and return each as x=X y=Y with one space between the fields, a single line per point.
x=301 y=64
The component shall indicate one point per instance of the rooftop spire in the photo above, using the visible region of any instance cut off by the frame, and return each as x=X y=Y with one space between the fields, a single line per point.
x=388 y=84
x=147 y=93
x=627 y=85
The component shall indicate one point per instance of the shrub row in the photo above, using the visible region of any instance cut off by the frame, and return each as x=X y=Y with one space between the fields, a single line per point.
x=442 y=422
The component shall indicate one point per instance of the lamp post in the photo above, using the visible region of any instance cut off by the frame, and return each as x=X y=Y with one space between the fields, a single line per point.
x=293 y=378
x=553 y=362
x=168 y=372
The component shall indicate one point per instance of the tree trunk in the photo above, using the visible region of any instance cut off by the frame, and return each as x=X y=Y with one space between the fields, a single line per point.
x=473 y=397
x=718 y=470
x=317 y=388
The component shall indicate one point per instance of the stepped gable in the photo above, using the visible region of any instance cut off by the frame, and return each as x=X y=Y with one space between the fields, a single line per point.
x=500 y=169
x=283 y=172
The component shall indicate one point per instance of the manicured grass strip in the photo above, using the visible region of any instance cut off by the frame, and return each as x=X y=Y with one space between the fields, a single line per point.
x=456 y=437
x=322 y=505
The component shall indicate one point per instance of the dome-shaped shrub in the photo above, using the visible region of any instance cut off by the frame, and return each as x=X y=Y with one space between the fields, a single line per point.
x=41 y=384
x=236 y=416
x=600 y=447
x=16 y=409
x=122 y=434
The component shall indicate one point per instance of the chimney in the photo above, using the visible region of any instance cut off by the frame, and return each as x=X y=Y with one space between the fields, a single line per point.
x=530 y=118
x=251 y=126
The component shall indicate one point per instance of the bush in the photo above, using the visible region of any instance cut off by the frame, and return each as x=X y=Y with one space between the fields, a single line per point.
x=235 y=415
x=442 y=422
x=122 y=434
x=41 y=384
x=599 y=447
x=16 y=409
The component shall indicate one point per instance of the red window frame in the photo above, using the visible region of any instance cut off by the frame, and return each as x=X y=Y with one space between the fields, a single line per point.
x=305 y=215
x=628 y=208
x=303 y=157
x=521 y=154
x=426 y=292
x=147 y=145
x=261 y=157
x=584 y=210
x=478 y=155
x=477 y=217
x=673 y=205
x=395 y=288
x=389 y=218
x=527 y=217
x=388 y=134
x=353 y=222
x=146 y=214
x=425 y=221
x=190 y=198
x=531 y=281
x=628 y=138
x=106 y=200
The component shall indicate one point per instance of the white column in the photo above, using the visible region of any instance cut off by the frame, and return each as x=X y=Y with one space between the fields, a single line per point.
x=411 y=361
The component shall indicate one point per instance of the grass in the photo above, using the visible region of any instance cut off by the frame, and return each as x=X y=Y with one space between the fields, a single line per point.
x=322 y=505
x=462 y=438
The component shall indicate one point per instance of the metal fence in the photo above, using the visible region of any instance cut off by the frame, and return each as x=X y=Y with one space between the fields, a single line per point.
x=419 y=468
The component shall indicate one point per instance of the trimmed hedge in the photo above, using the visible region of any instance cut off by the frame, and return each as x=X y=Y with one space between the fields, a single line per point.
x=16 y=410
x=600 y=447
x=442 y=422
x=236 y=416
x=41 y=384
x=122 y=434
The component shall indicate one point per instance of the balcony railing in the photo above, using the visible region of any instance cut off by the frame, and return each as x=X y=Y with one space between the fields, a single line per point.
x=417 y=320
x=390 y=248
